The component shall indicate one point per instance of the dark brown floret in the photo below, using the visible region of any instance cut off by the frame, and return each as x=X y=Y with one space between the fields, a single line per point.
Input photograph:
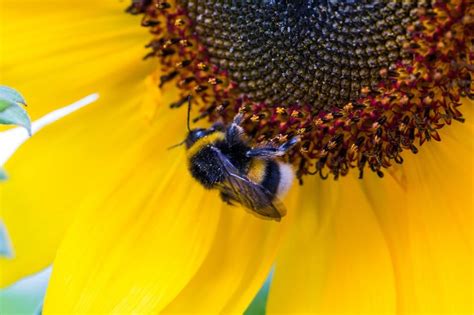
x=359 y=81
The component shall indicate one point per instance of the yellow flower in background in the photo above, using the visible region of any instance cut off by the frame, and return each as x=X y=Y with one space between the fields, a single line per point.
x=129 y=230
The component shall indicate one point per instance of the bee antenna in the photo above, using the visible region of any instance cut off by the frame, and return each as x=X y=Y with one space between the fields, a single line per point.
x=176 y=145
x=189 y=111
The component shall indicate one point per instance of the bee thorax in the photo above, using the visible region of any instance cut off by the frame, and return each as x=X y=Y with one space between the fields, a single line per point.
x=205 y=168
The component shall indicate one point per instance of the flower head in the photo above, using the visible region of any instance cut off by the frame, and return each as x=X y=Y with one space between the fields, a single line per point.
x=359 y=82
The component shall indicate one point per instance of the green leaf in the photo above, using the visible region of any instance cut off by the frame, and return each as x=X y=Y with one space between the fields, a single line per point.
x=6 y=249
x=3 y=175
x=12 y=113
x=11 y=95
x=11 y=110
x=26 y=296
x=259 y=303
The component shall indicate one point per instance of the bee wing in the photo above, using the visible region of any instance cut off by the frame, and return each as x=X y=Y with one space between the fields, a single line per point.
x=251 y=195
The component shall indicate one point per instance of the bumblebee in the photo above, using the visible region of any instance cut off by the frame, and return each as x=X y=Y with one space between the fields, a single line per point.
x=220 y=158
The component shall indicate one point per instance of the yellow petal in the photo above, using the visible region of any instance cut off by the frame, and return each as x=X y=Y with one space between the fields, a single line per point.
x=334 y=259
x=78 y=157
x=135 y=251
x=160 y=238
x=425 y=209
x=398 y=244
x=56 y=52
x=237 y=264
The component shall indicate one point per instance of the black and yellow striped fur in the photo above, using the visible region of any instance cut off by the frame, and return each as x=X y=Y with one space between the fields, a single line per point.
x=220 y=158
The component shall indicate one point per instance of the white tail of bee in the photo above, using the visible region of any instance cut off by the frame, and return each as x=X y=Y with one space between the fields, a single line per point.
x=287 y=175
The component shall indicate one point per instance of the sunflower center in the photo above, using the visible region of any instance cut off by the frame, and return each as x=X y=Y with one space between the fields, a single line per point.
x=303 y=52
x=359 y=81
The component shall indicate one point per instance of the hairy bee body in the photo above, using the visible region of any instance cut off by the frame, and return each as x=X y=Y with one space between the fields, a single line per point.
x=219 y=158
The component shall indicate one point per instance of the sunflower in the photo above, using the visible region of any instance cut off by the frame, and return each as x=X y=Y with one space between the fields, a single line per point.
x=378 y=93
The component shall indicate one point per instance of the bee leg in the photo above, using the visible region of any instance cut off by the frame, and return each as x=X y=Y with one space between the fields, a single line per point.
x=271 y=152
x=226 y=198
x=238 y=119
x=218 y=126
x=290 y=143
x=234 y=132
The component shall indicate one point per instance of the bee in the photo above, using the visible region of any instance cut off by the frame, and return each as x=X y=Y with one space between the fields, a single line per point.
x=221 y=158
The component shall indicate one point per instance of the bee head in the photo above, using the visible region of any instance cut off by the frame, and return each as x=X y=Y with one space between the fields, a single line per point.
x=193 y=134
x=196 y=134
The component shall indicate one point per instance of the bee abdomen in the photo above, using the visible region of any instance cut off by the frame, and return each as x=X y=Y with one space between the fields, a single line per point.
x=287 y=175
x=275 y=176
x=266 y=173
x=272 y=177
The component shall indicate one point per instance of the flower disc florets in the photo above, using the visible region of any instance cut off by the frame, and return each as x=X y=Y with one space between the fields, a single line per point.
x=359 y=81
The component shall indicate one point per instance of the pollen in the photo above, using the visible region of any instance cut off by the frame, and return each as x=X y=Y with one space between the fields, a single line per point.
x=280 y=110
x=301 y=131
x=254 y=118
x=360 y=82
x=295 y=114
x=179 y=22
x=202 y=66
